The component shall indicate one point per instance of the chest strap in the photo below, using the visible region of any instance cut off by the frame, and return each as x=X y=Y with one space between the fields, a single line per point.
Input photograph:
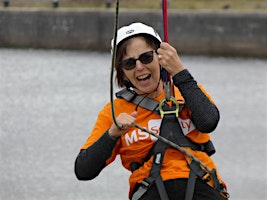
x=144 y=102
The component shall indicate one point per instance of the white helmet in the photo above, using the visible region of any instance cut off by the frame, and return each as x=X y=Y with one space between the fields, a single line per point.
x=134 y=29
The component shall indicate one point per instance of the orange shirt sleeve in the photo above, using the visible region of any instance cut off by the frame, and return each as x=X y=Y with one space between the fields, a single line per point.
x=103 y=123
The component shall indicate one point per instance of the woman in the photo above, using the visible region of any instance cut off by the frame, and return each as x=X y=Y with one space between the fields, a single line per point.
x=140 y=58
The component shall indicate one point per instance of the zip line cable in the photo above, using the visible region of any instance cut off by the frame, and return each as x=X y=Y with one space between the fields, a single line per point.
x=114 y=52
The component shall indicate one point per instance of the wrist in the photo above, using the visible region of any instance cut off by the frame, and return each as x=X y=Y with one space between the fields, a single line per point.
x=173 y=73
x=112 y=136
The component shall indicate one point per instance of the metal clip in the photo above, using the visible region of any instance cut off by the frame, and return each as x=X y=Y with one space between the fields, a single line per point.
x=162 y=112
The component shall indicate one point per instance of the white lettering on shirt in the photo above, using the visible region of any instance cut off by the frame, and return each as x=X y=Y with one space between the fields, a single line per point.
x=129 y=139
x=186 y=125
x=154 y=125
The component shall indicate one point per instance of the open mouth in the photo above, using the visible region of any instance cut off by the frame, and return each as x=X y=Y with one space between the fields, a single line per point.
x=144 y=77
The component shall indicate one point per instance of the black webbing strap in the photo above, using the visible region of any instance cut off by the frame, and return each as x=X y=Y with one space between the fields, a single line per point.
x=154 y=176
x=190 y=186
x=143 y=187
x=131 y=96
x=159 y=151
x=144 y=102
x=195 y=171
x=217 y=184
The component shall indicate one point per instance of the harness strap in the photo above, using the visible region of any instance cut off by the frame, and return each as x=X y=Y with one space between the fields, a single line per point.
x=161 y=188
x=155 y=172
x=144 y=186
x=190 y=186
x=195 y=171
x=144 y=102
x=131 y=96
x=154 y=176
x=217 y=184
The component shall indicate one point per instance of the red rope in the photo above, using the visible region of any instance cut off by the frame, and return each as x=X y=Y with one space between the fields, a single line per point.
x=167 y=78
x=165 y=20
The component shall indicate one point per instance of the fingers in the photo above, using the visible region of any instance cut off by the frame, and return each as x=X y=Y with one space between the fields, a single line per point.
x=125 y=121
x=169 y=58
x=166 y=51
x=134 y=113
x=130 y=121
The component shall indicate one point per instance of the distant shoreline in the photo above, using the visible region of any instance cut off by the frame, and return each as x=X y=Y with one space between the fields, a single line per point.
x=233 y=33
x=191 y=5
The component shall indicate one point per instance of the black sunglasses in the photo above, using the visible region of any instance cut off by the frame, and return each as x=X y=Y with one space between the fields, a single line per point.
x=144 y=58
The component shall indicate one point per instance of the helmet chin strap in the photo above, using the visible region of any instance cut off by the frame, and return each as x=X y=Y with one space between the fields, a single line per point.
x=128 y=84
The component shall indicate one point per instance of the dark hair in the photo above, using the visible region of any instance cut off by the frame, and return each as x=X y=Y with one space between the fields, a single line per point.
x=121 y=51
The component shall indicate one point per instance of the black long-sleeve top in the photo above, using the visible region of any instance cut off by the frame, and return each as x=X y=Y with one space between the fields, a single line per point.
x=205 y=117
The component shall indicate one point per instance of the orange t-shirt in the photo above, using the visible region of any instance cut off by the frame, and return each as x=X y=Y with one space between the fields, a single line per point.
x=134 y=145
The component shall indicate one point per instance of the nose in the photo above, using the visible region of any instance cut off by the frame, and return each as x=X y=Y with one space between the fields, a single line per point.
x=139 y=65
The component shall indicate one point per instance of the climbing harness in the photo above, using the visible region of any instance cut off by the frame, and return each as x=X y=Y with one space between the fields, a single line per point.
x=170 y=129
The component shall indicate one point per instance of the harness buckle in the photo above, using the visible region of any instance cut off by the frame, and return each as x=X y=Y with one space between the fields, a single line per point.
x=206 y=177
x=142 y=188
x=144 y=184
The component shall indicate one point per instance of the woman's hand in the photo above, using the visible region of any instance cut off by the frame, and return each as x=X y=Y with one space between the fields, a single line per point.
x=125 y=121
x=169 y=59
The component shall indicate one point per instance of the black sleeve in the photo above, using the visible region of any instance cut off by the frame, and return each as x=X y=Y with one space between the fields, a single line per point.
x=92 y=160
x=205 y=115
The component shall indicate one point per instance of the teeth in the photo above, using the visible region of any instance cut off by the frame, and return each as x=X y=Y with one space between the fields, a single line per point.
x=143 y=76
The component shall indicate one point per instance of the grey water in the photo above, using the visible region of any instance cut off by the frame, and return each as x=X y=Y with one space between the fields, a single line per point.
x=49 y=101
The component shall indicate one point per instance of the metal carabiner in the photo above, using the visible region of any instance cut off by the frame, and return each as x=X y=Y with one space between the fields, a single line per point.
x=162 y=112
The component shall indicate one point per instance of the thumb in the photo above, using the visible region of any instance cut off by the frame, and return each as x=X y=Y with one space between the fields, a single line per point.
x=134 y=113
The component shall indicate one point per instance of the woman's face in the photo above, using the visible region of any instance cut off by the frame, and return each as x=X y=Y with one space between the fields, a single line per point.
x=145 y=77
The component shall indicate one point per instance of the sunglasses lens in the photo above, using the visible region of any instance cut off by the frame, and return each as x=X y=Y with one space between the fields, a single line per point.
x=144 y=58
x=128 y=64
